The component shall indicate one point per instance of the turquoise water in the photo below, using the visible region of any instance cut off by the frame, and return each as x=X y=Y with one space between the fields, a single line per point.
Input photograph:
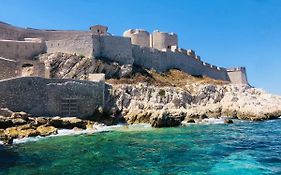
x=242 y=148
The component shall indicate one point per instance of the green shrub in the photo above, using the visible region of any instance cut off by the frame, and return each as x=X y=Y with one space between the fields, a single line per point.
x=161 y=92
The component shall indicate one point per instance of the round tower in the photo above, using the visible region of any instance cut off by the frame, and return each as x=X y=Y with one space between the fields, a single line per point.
x=163 y=40
x=138 y=37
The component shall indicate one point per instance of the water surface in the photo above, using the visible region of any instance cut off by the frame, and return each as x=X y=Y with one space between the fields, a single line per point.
x=241 y=148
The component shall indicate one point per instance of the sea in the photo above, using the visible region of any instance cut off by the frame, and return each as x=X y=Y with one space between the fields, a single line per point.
x=242 y=148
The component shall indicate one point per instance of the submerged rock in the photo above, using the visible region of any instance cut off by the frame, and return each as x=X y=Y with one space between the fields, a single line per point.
x=228 y=121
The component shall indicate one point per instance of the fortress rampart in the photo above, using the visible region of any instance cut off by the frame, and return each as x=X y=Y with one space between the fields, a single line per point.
x=52 y=97
x=18 y=50
x=163 y=61
x=158 y=50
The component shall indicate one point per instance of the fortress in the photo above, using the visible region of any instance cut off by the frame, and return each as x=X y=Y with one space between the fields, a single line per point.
x=25 y=83
x=158 y=51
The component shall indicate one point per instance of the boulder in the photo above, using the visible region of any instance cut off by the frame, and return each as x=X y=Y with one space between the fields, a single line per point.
x=22 y=115
x=138 y=116
x=228 y=121
x=68 y=123
x=46 y=130
x=19 y=121
x=5 y=112
x=189 y=120
x=11 y=132
x=90 y=126
x=28 y=133
x=21 y=131
x=40 y=121
x=165 y=120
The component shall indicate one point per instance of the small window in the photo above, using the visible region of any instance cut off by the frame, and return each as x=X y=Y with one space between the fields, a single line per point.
x=169 y=47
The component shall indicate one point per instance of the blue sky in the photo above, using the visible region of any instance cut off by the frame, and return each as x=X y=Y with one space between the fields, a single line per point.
x=226 y=33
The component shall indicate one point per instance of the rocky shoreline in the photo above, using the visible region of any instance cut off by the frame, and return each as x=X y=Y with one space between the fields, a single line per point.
x=172 y=106
x=16 y=125
x=157 y=106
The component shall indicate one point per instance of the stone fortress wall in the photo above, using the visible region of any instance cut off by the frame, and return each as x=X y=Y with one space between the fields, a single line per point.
x=163 y=54
x=52 y=97
x=158 y=50
x=19 y=50
x=8 y=68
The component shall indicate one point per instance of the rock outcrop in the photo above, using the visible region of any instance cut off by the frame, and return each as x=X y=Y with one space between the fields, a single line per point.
x=169 y=106
x=20 y=125
x=63 y=65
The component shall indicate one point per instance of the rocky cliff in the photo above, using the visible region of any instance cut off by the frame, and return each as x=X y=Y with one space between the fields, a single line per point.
x=170 y=99
x=171 y=106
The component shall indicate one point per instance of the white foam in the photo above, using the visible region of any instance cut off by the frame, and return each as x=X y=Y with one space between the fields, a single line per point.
x=213 y=121
x=97 y=128
x=27 y=139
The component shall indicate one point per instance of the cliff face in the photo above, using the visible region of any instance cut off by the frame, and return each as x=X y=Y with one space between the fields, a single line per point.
x=167 y=99
x=71 y=66
x=170 y=106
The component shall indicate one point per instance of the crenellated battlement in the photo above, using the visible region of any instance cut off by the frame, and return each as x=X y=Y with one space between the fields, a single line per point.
x=236 y=69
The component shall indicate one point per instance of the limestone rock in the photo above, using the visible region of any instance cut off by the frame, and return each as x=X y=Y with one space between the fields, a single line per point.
x=165 y=119
x=46 y=130
x=5 y=112
x=19 y=121
x=28 y=133
x=21 y=131
x=68 y=123
x=139 y=103
x=40 y=121
x=22 y=115
x=126 y=70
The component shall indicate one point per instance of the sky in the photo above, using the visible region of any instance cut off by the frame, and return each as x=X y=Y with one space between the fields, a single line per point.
x=226 y=33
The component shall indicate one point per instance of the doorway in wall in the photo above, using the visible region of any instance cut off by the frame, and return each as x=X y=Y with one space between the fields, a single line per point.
x=69 y=107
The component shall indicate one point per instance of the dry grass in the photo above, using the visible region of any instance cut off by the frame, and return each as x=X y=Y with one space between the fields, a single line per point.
x=173 y=77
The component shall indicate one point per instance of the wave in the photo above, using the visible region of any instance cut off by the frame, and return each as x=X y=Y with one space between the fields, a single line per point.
x=97 y=129
x=208 y=121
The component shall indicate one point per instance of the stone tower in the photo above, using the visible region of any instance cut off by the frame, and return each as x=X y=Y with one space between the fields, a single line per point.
x=99 y=30
x=138 y=37
x=163 y=40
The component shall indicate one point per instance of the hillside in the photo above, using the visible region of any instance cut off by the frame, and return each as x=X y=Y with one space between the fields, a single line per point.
x=73 y=66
